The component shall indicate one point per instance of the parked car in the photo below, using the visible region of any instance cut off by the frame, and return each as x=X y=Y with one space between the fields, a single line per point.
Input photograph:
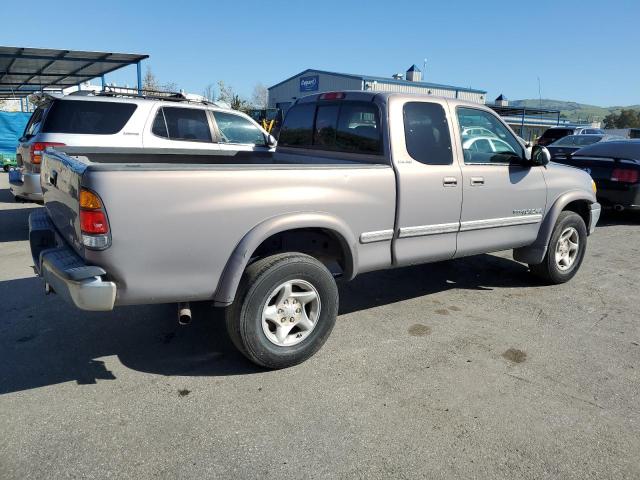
x=487 y=145
x=8 y=162
x=615 y=167
x=108 y=119
x=567 y=145
x=359 y=181
x=554 y=134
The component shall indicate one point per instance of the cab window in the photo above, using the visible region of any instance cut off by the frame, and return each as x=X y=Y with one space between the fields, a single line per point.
x=498 y=145
x=236 y=129
x=426 y=133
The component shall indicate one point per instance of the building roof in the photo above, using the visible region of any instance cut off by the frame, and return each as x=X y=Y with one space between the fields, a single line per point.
x=27 y=70
x=369 y=78
x=414 y=68
x=501 y=98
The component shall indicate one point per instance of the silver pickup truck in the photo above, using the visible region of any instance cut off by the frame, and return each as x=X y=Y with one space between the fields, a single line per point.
x=358 y=182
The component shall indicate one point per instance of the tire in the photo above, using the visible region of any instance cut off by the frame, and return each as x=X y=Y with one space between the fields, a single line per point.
x=5 y=168
x=553 y=271
x=260 y=339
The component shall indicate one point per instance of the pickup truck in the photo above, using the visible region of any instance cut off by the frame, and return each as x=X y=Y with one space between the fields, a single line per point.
x=359 y=182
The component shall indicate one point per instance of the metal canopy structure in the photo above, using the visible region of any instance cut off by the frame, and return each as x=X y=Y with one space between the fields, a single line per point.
x=27 y=70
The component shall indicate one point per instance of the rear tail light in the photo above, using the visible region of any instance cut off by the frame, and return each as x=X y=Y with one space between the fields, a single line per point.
x=38 y=148
x=93 y=221
x=624 y=175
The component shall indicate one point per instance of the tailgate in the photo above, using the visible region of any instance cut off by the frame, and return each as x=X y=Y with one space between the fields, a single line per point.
x=60 y=179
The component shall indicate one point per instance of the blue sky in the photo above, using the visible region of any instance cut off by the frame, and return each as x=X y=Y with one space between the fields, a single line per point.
x=585 y=51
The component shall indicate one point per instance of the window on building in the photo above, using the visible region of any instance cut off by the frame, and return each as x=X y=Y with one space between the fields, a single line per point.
x=426 y=133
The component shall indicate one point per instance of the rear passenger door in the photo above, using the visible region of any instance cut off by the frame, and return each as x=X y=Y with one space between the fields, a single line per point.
x=429 y=181
x=237 y=133
x=180 y=127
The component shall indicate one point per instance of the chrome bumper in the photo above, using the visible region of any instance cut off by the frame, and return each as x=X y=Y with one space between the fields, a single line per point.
x=64 y=271
x=594 y=216
x=28 y=187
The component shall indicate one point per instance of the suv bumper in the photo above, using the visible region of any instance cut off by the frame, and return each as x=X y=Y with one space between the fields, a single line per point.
x=64 y=271
x=594 y=216
x=27 y=187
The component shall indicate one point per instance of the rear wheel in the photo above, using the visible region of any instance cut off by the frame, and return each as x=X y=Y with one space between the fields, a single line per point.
x=285 y=309
x=565 y=251
x=5 y=168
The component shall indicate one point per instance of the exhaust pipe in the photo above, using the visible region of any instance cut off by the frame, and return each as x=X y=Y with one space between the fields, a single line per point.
x=618 y=208
x=184 y=313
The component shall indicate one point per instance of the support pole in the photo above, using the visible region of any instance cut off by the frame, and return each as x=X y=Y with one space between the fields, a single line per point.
x=558 y=123
x=26 y=100
x=524 y=111
x=21 y=105
x=139 y=68
x=103 y=83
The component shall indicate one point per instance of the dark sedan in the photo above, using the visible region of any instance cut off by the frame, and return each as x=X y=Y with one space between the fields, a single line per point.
x=567 y=145
x=615 y=167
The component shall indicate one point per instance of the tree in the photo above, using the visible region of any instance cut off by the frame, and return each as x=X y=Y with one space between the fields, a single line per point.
x=228 y=95
x=150 y=82
x=259 y=99
x=209 y=92
x=627 y=118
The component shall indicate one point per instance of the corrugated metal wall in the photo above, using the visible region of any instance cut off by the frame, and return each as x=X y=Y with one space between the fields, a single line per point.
x=438 y=92
x=290 y=90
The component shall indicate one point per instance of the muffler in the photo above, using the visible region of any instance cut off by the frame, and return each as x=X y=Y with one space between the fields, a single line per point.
x=618 y=208
x=184 y=313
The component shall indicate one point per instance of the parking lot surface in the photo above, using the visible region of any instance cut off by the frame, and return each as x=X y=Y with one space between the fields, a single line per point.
x=461 y=369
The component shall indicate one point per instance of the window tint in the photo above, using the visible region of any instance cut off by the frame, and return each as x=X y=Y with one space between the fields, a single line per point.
x=499 y=146
x=183 y=124
x=324 y=134
x=85 y=117
x=34 y=122
x=236 y=129
x=426 y=133
x=297 y=129
x=351 y=127
x=358 y=129
x=160 y=125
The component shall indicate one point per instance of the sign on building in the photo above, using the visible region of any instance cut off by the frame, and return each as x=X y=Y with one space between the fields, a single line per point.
x=309 y=84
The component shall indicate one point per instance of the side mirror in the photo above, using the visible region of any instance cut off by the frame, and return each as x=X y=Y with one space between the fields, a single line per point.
x=271 y=141
x=540 y=155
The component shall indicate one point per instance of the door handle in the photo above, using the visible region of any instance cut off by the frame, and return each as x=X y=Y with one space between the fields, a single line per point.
x=449 y=181
x=477 y=181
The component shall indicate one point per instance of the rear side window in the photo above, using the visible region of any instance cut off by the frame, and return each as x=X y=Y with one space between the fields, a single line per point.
x=90 y=118
x=34 y=123
x=426 y=133
x=236 y=129
x=188 y=124
x=350 y=127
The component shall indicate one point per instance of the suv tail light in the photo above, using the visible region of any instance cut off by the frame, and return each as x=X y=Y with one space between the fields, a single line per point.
x=38 y=148
x=94 y=224
x=624 y=175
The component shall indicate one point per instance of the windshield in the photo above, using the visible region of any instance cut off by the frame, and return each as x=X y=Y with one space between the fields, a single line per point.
x=577 y=140
x=556 y=133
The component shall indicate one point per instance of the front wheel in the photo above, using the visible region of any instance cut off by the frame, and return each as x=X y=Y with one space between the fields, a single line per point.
x=284 y=311
x=565 y=251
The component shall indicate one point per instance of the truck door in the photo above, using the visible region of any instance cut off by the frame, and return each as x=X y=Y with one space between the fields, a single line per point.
x=429 y=181
x=504 y=197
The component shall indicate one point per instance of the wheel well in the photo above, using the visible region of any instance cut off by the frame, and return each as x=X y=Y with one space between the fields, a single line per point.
x=581 y=207
x=325 y=245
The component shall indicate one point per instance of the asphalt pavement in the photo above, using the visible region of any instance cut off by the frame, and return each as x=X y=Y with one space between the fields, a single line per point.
x=461 y=369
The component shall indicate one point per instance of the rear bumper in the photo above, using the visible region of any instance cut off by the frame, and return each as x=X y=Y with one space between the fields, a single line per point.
x=594 y=215
x=64 y=271
x=627 y=197
x=27 y=187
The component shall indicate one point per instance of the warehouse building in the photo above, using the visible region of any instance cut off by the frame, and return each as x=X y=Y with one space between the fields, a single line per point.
x=311 y=81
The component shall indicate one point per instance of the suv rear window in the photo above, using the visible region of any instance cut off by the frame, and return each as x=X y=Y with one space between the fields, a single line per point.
x=90 y=118
x=350 y=127
x=557 y=133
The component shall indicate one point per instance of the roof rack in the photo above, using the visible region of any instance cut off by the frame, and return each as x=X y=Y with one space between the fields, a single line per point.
x=113 y=91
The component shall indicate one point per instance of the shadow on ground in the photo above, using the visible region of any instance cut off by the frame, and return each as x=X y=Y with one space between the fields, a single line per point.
x=44 y=341
x=14 y=224
x=612 y=218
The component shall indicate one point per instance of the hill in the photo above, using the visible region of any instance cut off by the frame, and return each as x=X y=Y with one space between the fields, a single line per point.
x=572 y=110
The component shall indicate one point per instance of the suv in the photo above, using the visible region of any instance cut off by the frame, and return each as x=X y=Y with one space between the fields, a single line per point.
x=113 y=119
x=553 y=134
